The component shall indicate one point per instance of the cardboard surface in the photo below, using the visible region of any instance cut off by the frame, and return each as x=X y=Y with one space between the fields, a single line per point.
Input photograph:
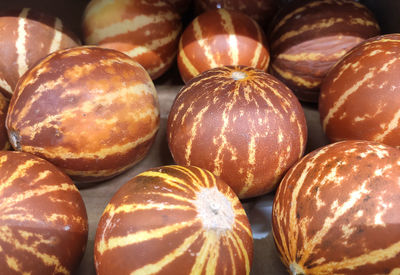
x=96 y=196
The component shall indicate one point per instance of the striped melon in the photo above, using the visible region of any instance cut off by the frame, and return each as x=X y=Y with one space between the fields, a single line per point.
x=360 y=95
x=26 y=36
x=93 y=112
x=174 y=220
x=147 y=31
x=240 y=123
x=309 y=36
x=43 y=221
x=4 y=143
x=337 y=211
x=221 y=37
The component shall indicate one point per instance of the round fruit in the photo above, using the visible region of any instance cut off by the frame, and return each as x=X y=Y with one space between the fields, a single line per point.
x=240 y=123
x=309 y=37
x=26 y=36
x=4 y=143
x=147 y=31
x=221 y=37
x=174 y=220
x=260 y=10
x=93 y=112
x=337 y=211
x=360 y=95
x=43 y=221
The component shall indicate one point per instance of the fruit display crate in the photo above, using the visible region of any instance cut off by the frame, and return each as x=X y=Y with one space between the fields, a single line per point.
x=258 y=209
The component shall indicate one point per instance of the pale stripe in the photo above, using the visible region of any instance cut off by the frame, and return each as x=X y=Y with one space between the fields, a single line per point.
x=257 y=53
x=12 y=201
x=310 y=244
x=198 y=34
x=153 y=268
x=63 y=153
x=186 y=62
x=140 y=236
x=47 y=259
x=56 y=41
x=20 y=42
x=130 y=25
x=154 y=45
x=248 y=183
x=172 y=181
x=198 y=119
x=15 y=265
x=211 y=243
x=297 y=79
x=186 y=171
x=370 y=258
x=95 y=7
x=19 y=172
x=228 y=26
x=241 y=248
x=304 y=56
x=4 y=85
x=131 y=208
x=393 y=125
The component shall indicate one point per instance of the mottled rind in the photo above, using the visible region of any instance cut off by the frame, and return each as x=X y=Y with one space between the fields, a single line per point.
x=43 y=220
x=360 y=95
x=309 y=37
x=147 y=31
x=91 y=111
x=247 y=131
x=154 y=225
x=221 y=37
x=337 y=211
x=26 y=36
x=4 y=143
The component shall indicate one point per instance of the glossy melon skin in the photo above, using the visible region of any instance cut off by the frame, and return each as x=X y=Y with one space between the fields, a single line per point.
x=174 y=220
x=26 y=36
x=147 y=31
x=337 y=211
x=309 y=37
x=241 y=124
x=262 y=11
x=43 y=220
x=220 y=37
x=93 y=112
x=4 y=143
x=360 y=95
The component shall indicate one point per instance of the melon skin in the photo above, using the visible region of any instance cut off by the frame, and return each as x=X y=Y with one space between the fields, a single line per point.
x=308 y=37
x=263 y=11
x=147 y=31
x=337 y=211
x=174 y=220
x=359 y=96
x=242 y=124
x=26 y=36
x=43 y=219
x=93 y=112
x=4 y=143
x=218 y=38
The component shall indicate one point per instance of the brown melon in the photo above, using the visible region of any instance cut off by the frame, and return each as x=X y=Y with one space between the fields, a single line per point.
x=337 y=211
x=174 y=220
x=93 y=112
x=309 y=36
x=241 y=124
x=43 y=221
x=218 y=38
x=147 y=31
x=26 y=36
x=360 y=95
